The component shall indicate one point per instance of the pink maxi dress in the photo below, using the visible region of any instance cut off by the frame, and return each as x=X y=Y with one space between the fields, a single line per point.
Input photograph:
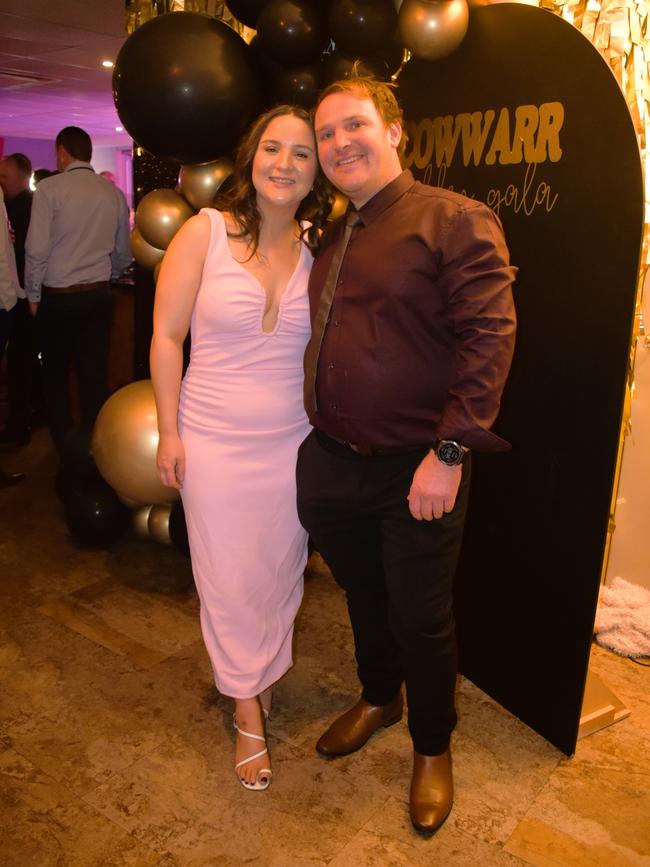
x=241 y=420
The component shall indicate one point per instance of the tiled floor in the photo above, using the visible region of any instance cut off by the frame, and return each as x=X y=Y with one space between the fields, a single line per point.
x=116 y=749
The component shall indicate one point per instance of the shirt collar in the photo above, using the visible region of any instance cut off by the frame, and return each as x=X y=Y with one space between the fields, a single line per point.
x=387 y=196
x=78 y=164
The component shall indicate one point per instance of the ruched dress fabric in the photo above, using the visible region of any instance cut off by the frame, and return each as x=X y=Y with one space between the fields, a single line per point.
x=241 y=420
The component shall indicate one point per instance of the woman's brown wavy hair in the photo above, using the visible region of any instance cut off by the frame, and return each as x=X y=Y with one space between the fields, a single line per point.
x=240 y=197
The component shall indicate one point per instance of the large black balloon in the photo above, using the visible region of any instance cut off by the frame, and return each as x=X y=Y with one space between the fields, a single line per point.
x=297 y=86
x=293 y=32
x=95 y=516
x=76 y=455
x=337 y=66
x=362 y=26
x=246 y=11
x=184 y=87
x=266 y=70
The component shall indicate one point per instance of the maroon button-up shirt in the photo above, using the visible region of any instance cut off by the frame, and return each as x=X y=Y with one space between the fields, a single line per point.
x=422 y=324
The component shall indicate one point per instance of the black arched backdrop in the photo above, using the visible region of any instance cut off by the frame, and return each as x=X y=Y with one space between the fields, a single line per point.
x=527 y=116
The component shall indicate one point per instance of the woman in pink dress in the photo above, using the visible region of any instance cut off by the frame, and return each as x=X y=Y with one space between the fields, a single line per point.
x=230 y=430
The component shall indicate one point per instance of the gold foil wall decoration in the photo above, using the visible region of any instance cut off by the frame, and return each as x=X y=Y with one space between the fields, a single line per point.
x=140 y=11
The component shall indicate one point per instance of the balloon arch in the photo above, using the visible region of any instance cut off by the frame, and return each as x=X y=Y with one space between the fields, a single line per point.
x=186 y=86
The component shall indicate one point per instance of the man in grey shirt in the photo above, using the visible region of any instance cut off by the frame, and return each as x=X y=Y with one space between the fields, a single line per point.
x=77 y=240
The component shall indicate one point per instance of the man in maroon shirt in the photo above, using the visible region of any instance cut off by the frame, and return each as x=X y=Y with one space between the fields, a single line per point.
x=415 y=351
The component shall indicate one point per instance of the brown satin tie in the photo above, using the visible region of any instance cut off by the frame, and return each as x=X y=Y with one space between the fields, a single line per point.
x=322 y=314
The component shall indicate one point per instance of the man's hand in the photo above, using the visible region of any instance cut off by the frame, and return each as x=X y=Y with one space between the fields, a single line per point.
x=33 y=307
x=434 y=488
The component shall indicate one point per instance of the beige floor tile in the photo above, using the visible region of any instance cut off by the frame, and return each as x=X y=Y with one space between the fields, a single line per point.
x=629 y=681
x=160 y=797
x=24 y=787
x=253 y=833
x=499 y=767
x=142 y=628
x=63 y=718
x=389 y=840
x=588 y=816
x=70 y=835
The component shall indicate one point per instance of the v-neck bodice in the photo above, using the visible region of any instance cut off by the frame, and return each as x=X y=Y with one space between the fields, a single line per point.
x=227 y=335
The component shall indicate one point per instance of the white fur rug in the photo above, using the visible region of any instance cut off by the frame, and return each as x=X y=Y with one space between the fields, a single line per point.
x=623 y=618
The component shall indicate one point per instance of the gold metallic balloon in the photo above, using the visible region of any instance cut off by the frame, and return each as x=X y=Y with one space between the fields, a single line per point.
x=432 y=29
x=128 y=502
x=200 y=183
x=143 y=253
x=339 y=206
x=159 y=524
x=140 y=521
x=160 y=215
x=125 y=441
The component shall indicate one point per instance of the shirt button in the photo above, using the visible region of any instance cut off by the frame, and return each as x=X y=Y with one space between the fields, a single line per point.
x=333 y=406
x=331 y=365
x=336 y=323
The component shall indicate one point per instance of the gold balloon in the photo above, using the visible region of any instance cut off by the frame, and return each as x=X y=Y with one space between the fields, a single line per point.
x=125 y=441
x=432 y=29
x=140 y=522
x=339 y=205
x=128 y=502
x=158 y=524
x=143 y=253
x=160 y=215
x=200 y=183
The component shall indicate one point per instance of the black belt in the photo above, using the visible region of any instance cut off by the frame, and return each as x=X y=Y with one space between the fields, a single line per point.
x=76 y=287
x=365 y=450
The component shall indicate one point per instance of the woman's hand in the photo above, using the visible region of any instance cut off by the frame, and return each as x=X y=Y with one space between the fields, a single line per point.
x=170 y=461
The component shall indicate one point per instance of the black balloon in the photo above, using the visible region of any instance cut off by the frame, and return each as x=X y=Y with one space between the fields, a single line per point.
x=178 y=528
x=297 y=86
x=76 y=455
x=337 y=66
x=95 y=516
x=266 y=71
x=362 y=25
x=66 y=482
x=184 y=87
x=390 y=55
x=293 y=32
x=246 y=11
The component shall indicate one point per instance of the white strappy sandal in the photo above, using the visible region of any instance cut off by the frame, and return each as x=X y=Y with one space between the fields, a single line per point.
x=263 y=778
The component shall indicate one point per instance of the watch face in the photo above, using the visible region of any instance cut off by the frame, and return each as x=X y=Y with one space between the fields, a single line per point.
x=449 y=452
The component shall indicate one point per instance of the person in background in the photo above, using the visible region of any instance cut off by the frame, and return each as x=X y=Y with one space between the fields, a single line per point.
x=229 y=431
x=417 y=327
x=9 y=287
x=23 y=365
x=78 y=239
x=40 y=175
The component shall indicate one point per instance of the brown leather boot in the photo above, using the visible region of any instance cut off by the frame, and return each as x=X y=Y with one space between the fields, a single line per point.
x=351 y=730
x=432 y=791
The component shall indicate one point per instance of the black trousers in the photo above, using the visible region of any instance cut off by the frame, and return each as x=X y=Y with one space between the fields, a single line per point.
x=6 y=322
x=74 y=328
x=397 y=574
x=23 y=370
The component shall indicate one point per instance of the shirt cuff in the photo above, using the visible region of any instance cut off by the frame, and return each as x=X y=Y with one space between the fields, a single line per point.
x=33 y=295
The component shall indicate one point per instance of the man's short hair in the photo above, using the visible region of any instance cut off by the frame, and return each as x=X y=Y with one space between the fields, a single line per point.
x=379 y=92
x=22 y=163
x=77 y=143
